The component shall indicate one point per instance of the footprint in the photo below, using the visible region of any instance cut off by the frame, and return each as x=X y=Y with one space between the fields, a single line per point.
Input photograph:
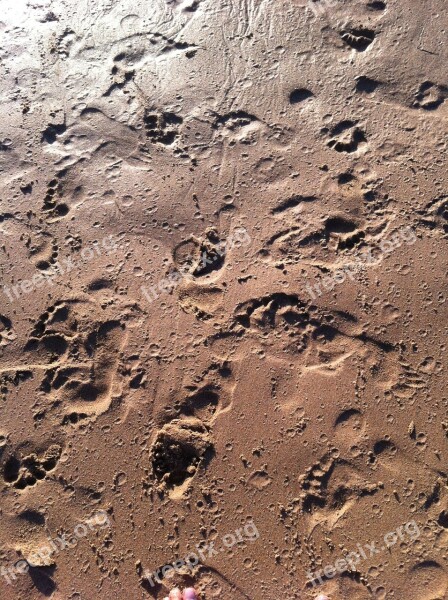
x=53 y=206
x=22 y=469
x=429 y=580
x=78 y=356
x=408 y=381
x=234 y=121
x=358 y=38
x=13 y=377
x=259 y=479
x=434 y=216
x=202 y=404
x=204 y=397
x=353 y=585
x=359 y=183
x=212 y=583
x=239 y=127
x=300 y=95
x=29 y=531
x=310 y=232
x=122 y=72
x=329 y=489
x=180 y=449
x=376 y=5
x=292 y=244
x=162 y=127
x=283 y=325
x=345 y=486
x=201 y=301
x=7 y=333
x=200 y=256
x=53 y=131
x=430 y=96
x=366 y=85
x=346 y=136
x=349 y=428
x=43 y=250
x=384 y=449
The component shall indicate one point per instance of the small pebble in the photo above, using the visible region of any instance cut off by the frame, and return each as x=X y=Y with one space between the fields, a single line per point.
x=190 y=594
x=322 y=597
x=175 y=594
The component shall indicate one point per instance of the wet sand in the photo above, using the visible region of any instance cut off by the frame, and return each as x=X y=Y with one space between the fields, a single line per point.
x=223 y=309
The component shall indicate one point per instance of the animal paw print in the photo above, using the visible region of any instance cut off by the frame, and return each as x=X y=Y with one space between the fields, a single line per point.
x=162 y=127
x=42 y=250
x=7 y=333
x=346 y=136
x=24 y=471
x=314 y=483
x=435 y=214
x=358 y=38
x=430 y=96
x=54 y=209
x=409 y=381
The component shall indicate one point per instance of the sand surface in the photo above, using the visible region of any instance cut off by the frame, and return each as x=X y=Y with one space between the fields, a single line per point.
x=223 y=231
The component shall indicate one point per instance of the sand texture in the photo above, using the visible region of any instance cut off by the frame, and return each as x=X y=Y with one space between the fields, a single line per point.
x=223 y=241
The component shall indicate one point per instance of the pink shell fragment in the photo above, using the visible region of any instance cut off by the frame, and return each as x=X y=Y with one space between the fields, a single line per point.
x=175 y=594
x=190 y=594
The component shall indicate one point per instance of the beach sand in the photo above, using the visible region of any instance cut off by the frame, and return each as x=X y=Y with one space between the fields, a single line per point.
x=223 y=231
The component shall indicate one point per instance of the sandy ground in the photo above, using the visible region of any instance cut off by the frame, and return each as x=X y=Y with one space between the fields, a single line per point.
x=223 y=310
